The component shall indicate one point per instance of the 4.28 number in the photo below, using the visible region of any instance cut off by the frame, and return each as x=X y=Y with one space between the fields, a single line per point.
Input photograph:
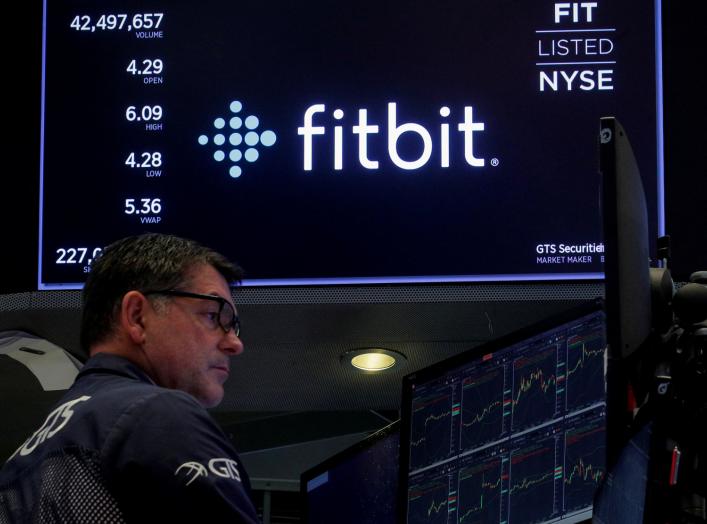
x=153 y=159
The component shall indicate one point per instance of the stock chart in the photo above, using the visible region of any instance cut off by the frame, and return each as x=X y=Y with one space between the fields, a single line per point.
x=516 y=436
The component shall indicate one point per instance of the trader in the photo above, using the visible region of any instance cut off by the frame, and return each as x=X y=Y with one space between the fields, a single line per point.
x=131 y=440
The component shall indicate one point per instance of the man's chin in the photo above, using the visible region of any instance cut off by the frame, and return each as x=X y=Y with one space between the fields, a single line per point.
x=212 y=397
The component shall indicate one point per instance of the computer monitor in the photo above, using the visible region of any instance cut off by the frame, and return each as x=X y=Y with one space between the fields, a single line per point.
x=627 y=271
x=510 y=432
x=356 y=486
x=626 y=238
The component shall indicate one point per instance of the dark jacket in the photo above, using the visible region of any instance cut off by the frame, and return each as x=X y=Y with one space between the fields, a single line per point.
x=119 y=448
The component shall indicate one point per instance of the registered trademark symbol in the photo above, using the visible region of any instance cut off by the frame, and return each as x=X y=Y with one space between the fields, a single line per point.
x=494 y=162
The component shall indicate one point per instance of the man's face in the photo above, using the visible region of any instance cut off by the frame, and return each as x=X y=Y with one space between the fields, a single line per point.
x=185 y=347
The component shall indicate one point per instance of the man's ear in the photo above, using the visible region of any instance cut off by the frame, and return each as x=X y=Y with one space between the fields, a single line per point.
x=133 y=308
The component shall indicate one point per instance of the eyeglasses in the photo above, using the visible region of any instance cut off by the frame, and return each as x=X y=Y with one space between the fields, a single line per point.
x=227 y=318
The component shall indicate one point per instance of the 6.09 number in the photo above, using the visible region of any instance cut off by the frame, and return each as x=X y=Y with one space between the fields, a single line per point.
x=146 y=113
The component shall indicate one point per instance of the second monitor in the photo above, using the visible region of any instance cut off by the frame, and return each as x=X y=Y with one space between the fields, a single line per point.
x=511 y=432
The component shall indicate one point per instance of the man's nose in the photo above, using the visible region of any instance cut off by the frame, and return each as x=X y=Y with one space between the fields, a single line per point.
x=231 y=343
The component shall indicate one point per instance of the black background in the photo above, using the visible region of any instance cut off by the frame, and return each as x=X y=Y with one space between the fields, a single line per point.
x=684 y=148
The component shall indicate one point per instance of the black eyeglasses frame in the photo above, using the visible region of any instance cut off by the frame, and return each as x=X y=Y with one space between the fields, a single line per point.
x=235 y=323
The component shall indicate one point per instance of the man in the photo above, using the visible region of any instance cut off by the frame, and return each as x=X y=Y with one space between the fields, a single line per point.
x=131 y=440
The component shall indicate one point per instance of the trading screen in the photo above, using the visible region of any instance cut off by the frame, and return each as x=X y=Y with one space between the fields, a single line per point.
x=515 y=436
x=327 y=142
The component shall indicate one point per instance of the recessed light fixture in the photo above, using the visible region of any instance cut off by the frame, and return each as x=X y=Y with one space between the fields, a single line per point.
x=372 y=360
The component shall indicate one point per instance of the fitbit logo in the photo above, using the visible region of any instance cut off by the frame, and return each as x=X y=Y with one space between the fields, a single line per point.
x=236 y=139
x=365 y=131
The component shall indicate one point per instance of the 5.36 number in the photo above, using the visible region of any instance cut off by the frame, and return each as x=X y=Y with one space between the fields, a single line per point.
x=145 y=206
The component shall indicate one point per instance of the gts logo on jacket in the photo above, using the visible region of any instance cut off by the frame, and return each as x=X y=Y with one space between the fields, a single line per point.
x=222 y=467
x=55 y=421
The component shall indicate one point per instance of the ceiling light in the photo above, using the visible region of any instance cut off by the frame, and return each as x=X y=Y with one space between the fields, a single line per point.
x=372 y=360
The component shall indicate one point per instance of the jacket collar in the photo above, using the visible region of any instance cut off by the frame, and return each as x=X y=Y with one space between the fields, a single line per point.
x=114 y=364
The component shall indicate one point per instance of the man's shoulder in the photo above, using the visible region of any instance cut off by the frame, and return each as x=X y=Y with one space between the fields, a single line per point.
x=121 y=402
x=158 y=405
x=124 y=402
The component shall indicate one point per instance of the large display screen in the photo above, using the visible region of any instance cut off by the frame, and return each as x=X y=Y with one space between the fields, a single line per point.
x=515 y=436
x=343 y=142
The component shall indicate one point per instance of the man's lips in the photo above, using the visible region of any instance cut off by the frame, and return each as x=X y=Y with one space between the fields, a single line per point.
x=223 y=367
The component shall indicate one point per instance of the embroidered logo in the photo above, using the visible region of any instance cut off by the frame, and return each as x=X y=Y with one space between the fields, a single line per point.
x=225 y=468
x=221 y=467
x=54 y=422
x=193 y=470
